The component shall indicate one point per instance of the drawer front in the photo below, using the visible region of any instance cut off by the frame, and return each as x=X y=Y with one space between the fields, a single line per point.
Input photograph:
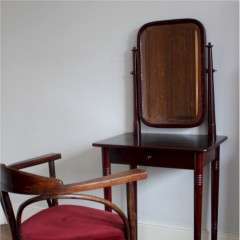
x=153 y=157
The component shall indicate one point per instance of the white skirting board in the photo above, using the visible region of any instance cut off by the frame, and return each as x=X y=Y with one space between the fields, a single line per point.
x=147 y=231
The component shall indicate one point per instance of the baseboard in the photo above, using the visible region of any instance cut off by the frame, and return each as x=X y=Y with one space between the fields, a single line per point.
x=149 y=231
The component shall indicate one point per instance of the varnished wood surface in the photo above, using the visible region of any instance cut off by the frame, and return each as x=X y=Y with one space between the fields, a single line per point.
x=215 y=168
x=212 y=132
x=198 y=191
x=171 y=73
x=184 y=142
x=106 y=172
x=108 y=181
x=36 y=161
x=16 y=181
x=152 y=157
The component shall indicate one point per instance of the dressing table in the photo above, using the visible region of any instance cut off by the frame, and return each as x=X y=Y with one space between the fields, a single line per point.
x=173 y=88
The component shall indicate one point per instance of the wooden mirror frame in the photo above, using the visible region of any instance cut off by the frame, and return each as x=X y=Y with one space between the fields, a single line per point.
x=208 y=106
x=201 y=93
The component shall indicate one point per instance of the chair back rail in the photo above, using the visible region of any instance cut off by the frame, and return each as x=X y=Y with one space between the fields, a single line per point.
x=15 y=181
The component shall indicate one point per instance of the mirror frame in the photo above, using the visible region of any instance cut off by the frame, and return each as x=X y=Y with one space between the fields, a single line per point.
x=202 y=96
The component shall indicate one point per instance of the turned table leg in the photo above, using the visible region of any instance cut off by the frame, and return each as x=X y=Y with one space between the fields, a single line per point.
x=214 y=194
x=106 y=171
x=134 y=204
x=198 y=189
x=132 y=209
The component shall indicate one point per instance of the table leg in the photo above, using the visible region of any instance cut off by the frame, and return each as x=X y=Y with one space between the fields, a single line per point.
x=134 y=205
x=106 y=171
x=198 y=189
x=215 y=194
x=132 y=210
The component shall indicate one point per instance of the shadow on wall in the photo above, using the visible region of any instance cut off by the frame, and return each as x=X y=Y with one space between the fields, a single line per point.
x=83 y=166
x=79 y=166
x=128 y=79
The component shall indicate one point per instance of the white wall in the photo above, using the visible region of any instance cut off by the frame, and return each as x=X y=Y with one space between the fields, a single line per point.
x=66 y=84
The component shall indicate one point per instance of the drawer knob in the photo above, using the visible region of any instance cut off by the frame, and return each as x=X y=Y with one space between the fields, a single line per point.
x=149 y=157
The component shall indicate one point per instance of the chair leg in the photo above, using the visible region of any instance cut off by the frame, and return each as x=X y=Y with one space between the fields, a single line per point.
x=8 y=210
x=52 y=173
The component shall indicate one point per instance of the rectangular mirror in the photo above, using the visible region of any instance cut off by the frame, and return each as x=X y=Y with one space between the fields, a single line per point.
x=171 y=73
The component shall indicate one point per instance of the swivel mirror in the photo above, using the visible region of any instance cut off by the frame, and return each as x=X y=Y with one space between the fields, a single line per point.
x=171 y=71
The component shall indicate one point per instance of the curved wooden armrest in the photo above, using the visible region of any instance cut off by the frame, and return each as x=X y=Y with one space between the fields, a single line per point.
x=107 y=181
x=36 y=161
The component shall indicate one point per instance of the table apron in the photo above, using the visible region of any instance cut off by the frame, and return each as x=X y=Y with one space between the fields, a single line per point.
x=158 y=158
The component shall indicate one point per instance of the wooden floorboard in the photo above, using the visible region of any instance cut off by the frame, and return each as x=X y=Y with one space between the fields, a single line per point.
x=5 y=232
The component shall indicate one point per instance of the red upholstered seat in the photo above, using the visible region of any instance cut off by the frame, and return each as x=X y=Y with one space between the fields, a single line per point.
x=69 y=222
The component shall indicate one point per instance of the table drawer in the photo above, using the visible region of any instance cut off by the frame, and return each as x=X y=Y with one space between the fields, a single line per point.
x=153 y=157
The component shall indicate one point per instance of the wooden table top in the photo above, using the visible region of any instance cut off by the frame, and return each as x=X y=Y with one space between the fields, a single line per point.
x=184 y=142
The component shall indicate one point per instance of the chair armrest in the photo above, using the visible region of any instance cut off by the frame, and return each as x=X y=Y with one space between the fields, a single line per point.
x=103 y=182
x=36 y=161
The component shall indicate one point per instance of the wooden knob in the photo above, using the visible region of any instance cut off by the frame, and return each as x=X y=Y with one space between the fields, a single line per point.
x=149 y=157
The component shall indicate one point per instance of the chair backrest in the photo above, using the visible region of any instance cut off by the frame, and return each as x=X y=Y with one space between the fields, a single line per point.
x=16 y=181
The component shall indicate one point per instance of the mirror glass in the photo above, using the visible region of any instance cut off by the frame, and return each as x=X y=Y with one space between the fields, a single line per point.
x=171 y=74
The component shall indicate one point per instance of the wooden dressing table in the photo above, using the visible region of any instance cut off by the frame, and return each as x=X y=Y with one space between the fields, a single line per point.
x=169 y=73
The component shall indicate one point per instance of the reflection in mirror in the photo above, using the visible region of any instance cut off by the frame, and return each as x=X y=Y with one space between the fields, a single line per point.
x=171 y=74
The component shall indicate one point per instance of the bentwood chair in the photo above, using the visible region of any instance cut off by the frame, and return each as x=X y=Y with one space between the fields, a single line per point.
x=66 y=222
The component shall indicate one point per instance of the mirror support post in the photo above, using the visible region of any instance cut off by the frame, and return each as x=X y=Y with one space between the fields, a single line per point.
x=136 y=119
x=211 y=105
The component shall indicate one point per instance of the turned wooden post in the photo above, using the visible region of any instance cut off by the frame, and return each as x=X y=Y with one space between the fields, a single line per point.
x=136 y=119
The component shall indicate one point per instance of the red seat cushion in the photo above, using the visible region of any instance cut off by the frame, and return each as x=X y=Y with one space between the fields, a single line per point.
x=69 y=222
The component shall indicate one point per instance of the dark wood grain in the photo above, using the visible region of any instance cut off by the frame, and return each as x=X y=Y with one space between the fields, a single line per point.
x=153 y=158
x=52 y=173
x=215 y=194
x=21 y=182
x=211 y=103
x=36 y=161
x=171 y=73
x=15 y=181
x=106 y=171
x=136 y=115
x=198 y=190
x=107 y=181
x=132 y=209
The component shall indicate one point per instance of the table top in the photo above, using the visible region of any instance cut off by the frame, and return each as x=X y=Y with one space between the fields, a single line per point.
x=184 y=142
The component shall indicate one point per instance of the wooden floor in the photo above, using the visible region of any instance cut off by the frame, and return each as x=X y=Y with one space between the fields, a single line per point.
x=4 y=232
